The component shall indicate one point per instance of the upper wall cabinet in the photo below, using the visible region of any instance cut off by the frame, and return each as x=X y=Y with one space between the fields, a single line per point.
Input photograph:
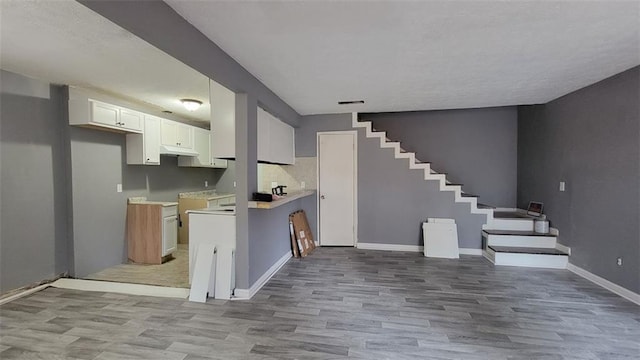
x=201 y=145
x=84 y=111
x=144 y=149
x=223 y=121
x=275 y=140
x=177 y=134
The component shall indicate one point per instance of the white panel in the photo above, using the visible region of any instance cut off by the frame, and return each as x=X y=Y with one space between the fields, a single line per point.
x=522 y=241
x=336 y=189
x=184 y=136
x=131 y=119
x=169 y=132
x=264 y=128
x=104 y=113
x=151 y=140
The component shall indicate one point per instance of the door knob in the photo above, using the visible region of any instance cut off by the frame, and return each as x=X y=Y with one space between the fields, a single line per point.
x=322 y=197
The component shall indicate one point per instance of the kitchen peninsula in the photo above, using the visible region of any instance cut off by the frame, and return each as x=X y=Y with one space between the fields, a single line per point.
x=281 y=201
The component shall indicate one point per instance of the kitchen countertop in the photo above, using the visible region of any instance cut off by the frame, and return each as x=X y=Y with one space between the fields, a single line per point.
x=275 y=203
x=205 y=195
x=143 y=201
x=216 y=210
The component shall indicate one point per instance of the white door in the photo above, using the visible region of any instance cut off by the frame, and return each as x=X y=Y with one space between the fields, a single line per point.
x=337 y=188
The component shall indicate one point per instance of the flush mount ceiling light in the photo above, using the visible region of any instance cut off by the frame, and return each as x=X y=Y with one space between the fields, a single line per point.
x=350 y=102
x=191 y=104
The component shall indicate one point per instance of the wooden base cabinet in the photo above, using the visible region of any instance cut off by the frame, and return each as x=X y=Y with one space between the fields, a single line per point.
x=152 y=232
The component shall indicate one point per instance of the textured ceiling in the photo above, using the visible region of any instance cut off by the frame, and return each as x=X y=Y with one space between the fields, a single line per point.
x=401 y=55
x=64 y=42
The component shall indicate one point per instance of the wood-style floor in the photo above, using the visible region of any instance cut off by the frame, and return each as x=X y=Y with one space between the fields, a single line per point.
x=341 y=303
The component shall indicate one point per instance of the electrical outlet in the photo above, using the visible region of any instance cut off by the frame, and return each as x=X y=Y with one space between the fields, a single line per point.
x=234 y=184
x=119 y=188
x=206 y=183
x=562 y=186
x=303 y=185
x=619 y=261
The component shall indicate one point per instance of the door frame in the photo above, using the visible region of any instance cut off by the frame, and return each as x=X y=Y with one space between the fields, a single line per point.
x=354 y=134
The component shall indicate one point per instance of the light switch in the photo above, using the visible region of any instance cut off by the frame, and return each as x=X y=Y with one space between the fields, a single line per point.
x=561 y=185
x=206 y=183
x=303 y=185
x=119 y=188
x=234 y=184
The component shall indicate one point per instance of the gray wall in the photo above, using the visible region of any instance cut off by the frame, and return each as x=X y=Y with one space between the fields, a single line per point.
x=98 y=163
x=33 y=203
x=474 y=147
x=269 y=234
x=591 y=140
x=393 y=200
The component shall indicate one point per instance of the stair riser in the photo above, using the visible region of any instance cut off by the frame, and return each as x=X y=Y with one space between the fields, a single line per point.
x=511 y=224
x=522 y=241
x=531 y=260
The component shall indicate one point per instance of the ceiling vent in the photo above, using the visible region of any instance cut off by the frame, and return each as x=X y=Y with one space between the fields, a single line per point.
x=351 y=102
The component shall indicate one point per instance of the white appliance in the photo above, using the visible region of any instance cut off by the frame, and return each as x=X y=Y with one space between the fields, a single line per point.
x=440 y=238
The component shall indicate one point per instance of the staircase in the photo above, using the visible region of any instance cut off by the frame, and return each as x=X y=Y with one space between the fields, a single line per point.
x=507 y=236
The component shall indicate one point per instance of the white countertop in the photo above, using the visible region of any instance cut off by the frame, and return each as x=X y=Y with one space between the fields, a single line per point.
x=215 y=210
x=287 y=199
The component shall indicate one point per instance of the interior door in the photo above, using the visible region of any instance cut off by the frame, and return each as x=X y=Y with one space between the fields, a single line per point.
x=337 y=188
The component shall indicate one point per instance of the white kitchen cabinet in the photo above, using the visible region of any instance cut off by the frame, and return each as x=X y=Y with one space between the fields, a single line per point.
x=144 y=149
x=88 y=112
x=275 y=139
x=202 y=145
x=177 y=134
x=169 y=231
x=223 y=121
x=281 y=142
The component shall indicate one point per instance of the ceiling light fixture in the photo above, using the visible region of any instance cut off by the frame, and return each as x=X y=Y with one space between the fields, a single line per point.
x=351 y=102
x=191 y=104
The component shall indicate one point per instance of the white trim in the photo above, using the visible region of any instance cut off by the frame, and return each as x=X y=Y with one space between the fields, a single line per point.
x=411 y=248
x=354 y=117
x=390 y=247
x=469 y=251
x=531 y=260
x=563 y=248
x=614 y=288
x=246 y=294
x=23 y=293
x=123 y=288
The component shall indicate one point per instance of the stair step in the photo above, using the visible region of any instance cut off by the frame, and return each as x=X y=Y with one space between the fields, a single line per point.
x=526 y=250
x=468 y=195
x=485 y=206
x=510 y=215
x=516 y=233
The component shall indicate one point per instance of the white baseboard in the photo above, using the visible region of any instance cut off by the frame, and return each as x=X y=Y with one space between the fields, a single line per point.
x=390 y=247
x=23 y=293
x=246 y=294
x=468 y=251
x=410 y=248
x=614 y=288
x=563 y=248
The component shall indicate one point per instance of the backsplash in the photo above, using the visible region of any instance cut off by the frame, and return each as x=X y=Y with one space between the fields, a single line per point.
x=290 y=175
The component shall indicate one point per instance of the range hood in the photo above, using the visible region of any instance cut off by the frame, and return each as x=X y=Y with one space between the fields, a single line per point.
x=174 y=150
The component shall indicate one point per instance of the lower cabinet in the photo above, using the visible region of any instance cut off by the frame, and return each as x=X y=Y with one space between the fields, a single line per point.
x=152 y=232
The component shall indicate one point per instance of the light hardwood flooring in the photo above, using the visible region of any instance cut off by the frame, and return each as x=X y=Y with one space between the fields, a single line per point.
x=173 y=273
x=341 y=303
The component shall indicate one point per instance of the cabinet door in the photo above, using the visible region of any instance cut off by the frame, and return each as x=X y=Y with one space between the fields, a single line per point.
x=104 y=113
x=169 y=234
x=169 y=132
x=281 y=142
x=151 y=140
x=264 y=120
x=130 y=119
x=201 y=139
x=184 y=136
